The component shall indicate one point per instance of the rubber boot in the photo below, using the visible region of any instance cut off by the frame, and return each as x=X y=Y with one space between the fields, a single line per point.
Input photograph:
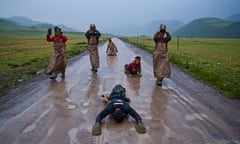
x=96 y=129
x=140 y=128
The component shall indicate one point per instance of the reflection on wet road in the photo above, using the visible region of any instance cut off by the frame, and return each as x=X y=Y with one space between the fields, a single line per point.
x=182 y=111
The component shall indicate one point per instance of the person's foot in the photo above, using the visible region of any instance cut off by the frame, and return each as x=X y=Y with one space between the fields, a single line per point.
x=53 y=76
x=139 y=74
x=94 y=69
x=159 y=82
x=140 y=128
x=96 y=129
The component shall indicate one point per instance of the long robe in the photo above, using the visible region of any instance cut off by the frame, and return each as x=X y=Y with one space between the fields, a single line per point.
x=93 y=47
x=161 y=66
x=58 y=61
x=111 y=49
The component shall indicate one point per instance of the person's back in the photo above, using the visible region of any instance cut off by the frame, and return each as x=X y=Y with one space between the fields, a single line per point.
x=134 y=68
x=118 y=93
x=119 y=108
x=111 y=48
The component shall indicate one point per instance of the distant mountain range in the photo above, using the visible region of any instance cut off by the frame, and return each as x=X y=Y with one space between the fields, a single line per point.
x=35 y=25
x=228 y=27
x=211 y=28
x=147 y=30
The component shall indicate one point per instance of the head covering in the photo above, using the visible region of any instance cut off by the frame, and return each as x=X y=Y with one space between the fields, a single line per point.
x=118 y=115
x=57 y=29
x=163 y=27
x=118 y=91
x=137 y=57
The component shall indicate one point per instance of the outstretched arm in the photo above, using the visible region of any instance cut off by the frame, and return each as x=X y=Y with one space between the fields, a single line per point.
x=104 y=113
x=133 y=113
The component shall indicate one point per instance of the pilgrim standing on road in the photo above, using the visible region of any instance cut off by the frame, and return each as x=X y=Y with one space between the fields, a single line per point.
x=93 y=36
x=161 y=66
x=58 y=61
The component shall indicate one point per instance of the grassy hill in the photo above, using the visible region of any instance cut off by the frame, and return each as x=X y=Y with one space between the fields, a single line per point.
x=23 y=21
x=172 y=25
x=11 y=27
x=7 y=26
x=211 y=28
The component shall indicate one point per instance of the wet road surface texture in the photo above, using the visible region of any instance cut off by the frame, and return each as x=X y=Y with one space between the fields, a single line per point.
x=182 y=111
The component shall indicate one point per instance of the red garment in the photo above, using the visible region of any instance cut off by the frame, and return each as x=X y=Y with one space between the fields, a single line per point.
x=133 y=68
x=62 y=38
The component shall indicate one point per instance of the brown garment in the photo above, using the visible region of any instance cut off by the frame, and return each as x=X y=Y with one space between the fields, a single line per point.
x=161 y=66
x=58 y=61
x=111 y=49
x=94 y=56
x=93 y=36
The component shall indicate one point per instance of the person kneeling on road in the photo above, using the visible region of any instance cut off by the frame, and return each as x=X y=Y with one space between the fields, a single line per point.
x=119 y=108
x=134 y=68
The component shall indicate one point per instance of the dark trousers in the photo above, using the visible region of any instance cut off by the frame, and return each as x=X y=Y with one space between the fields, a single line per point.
x=125 y=107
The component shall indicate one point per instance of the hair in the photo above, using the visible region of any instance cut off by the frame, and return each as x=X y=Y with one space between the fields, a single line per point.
x=137 y=57
x=57 y=29
x=118 y=116
x=118 y=91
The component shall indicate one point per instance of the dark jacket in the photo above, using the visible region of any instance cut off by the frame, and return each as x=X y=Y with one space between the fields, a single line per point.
x=96 y=35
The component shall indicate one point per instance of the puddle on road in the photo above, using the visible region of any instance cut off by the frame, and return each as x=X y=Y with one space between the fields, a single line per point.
x=84 y=111
x=86 y=104
x=70 y=106
x=29 y=128
x=68 y=100
x=195 y=116
x=33 y=125
x=73 y=136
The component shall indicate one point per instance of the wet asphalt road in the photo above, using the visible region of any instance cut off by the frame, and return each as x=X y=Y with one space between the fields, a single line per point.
x=182 y=111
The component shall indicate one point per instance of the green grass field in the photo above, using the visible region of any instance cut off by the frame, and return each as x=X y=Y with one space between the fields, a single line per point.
x=23 y=55
x=216 y=62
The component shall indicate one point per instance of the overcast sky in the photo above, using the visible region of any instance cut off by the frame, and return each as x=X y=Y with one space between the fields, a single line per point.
x=108 y=13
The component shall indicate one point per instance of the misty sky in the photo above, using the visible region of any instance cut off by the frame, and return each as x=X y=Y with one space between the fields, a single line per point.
x=109 y=13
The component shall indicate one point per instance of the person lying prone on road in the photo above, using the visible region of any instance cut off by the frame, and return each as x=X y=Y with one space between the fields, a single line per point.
x=119 y=109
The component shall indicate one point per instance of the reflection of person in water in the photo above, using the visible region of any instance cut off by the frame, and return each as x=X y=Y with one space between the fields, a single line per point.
x=158 y=108
x=58 y=89
x=134 y=84
x=59 y=92
x=119 y=109
x=111 y=60
x=93 y=86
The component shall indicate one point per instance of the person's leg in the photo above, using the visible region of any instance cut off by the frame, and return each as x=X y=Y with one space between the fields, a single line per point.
x=96 y=129
x=140 y=128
